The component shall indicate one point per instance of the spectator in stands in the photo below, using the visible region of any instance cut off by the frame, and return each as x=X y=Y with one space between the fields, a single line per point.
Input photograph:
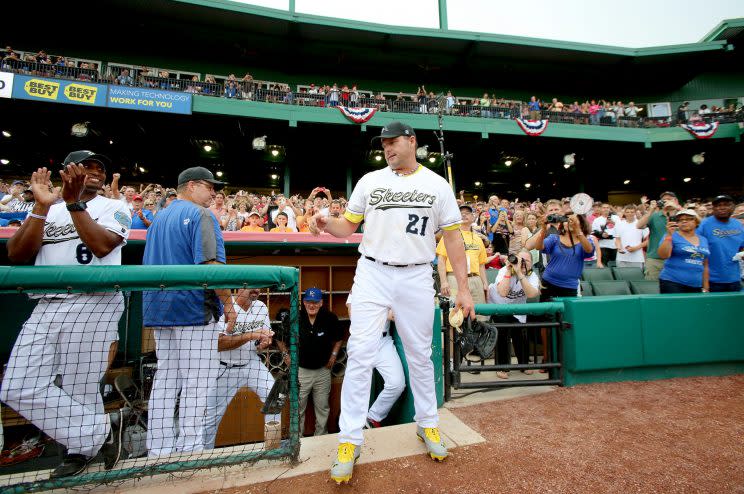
x=450 y=103
x=594 y=113
x=247 y=87
x=686 y=256
x=422 y=99
x=485 y=104
x=483 y=226
x=231 y=87
x=604 y=229
x=629 y=240
x=218 y=207
x=725 y=237
x=128 y=195
x=656 y=219
x=170 y=196
x=124 y=79
x=281 y=224
x=251 y=224
x=141 y=218
x=334 y=210
x=502 y=232
x=703 y=110
x=530 y=230
x=281 y=204
x=514 y=284
x=683 y=112
x=232 y=221
x=518 y=225
x=555 y=106
x=333 y=96
x=631 y=113
x=534 y=108
x=193 y=87
x=320 y=341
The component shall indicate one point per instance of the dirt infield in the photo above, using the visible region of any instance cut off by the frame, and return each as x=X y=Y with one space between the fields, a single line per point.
x=671 y=436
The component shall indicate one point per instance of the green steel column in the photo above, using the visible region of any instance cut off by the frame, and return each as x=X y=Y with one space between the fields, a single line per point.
x=292 y=7
x=349 y=185
x=286 y=180
x=442 y=15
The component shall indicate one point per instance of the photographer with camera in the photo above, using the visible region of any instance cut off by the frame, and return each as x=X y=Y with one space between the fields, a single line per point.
x=603 y=227
x=515 y=283
x=686 y=255
x=655 y=219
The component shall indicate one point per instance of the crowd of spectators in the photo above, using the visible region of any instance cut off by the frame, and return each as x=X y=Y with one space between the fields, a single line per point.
x=589 y=112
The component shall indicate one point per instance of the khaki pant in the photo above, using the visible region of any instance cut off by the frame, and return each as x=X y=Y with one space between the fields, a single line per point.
x=477 y=291
x=319 y=382
x=653 y=268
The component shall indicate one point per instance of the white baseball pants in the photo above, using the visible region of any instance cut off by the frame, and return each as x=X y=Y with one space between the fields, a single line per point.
x=387 y=363
x=69 y=337
x=409 y=292
x=187 y=364
x=230 y=379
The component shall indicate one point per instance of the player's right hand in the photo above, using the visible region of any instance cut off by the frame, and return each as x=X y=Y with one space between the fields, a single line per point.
x=41 y=186
x=317 y=223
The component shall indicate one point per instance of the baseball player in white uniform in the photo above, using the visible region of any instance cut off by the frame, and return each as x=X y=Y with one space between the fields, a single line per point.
x=69 y=334
x=240 y=365
x=403 y=205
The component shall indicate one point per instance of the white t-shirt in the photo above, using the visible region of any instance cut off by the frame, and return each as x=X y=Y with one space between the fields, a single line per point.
x=61 y=244
x=128 y=204
x=630 y=236
x=597 y=225
x=516 y=293
x=402 y=213
x=291 y=217
x=255 y=318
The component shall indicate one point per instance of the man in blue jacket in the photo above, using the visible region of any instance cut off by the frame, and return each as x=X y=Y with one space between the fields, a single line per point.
x=725 y=238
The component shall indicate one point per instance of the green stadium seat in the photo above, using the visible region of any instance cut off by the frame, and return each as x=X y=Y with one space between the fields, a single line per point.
x=597 y=274
x=586 y=289
x=628 y=274
x=615 y=287
x=644 y=287
x=491 y=275
x=611 y=264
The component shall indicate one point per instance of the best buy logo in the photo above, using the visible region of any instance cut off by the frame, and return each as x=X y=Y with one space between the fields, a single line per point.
x=81 y=93
x=42 y=89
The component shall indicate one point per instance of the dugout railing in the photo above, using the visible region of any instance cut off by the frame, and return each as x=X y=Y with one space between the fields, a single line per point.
x=546 y=316
x=69 y=283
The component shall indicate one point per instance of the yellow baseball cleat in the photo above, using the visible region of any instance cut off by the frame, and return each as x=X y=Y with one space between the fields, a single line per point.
x=434 y=444
x=343 y=467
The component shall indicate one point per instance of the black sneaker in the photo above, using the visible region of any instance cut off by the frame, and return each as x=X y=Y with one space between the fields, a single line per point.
x=111 y=449
x=72 y=464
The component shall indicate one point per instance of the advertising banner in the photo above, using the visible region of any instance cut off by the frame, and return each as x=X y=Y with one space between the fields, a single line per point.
x=135 y=98
x=6 y=84
x=59 y=91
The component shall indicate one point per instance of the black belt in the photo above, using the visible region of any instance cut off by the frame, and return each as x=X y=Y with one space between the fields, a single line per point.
x=231 y=365
x=395 y=265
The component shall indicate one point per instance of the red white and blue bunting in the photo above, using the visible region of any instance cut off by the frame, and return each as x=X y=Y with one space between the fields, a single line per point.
x=701 y=130
x=358 y=115
x=532 y=127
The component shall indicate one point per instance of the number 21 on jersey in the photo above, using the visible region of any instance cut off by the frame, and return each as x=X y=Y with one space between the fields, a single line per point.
x=413 y=222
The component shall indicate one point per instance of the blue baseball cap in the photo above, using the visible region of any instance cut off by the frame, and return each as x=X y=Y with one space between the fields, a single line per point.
x=313 y=295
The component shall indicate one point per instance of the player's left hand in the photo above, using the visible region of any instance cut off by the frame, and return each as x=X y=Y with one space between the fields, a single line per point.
x=464 y=301
x=73 y=182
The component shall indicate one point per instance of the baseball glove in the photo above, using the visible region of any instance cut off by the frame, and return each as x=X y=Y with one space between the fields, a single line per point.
x=278 y=395
x=477 y=338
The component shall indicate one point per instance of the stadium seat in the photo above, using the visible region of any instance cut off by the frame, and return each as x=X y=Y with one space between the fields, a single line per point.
x=597 y=274
x=644 y=287
x=586 y=289
x=611 y=264
x=628 y=274
x=491 y=275
x=615 y=287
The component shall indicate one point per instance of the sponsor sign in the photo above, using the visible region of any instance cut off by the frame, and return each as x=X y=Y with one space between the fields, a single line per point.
x=134 y=98
x=6 y=84
x=59 y=91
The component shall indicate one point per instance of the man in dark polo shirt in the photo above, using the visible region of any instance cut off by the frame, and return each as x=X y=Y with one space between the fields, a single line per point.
x=320 y=340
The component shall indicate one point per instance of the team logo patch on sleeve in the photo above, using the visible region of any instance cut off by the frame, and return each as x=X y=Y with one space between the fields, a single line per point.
x=123 y=219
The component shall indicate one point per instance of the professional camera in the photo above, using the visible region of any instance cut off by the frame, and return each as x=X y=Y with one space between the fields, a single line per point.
x=661 y=203
x=674 y=218
x=513 y=259
x=556 y=218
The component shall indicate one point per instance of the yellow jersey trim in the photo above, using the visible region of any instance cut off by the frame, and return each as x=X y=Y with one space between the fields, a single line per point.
x=353 y=217
x=456 y=226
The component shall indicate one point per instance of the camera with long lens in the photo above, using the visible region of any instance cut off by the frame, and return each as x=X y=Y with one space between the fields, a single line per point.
x=556 y=218
x=512 y=258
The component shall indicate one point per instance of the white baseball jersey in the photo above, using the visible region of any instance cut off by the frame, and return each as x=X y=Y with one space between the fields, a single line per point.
x=61 y=244
x=402 y=213
x=253 y=319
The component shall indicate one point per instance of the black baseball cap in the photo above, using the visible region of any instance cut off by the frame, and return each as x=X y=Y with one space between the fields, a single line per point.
x=394 y=129
x=722 y=198
x=86 y=155
x=199 y=173
x=668 y=193
x=466 y=206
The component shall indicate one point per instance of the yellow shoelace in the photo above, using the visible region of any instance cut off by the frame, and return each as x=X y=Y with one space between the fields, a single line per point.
x=345 y=452
x=432 y=433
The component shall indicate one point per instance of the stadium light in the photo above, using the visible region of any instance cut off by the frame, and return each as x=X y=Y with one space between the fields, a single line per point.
x=219 y=173
x=142 y=169
x=274 y=152
x=508 y=162
x=207 y=148
x=111 y=141
x=432 y=159
x=6 y=133
x=259 y=143
x=527 y=185
x=626 y=182
x=477 y=184
x=274 y=176
x=4 y=161
x=422 y=152
x=686 y=179
x=378 y=157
